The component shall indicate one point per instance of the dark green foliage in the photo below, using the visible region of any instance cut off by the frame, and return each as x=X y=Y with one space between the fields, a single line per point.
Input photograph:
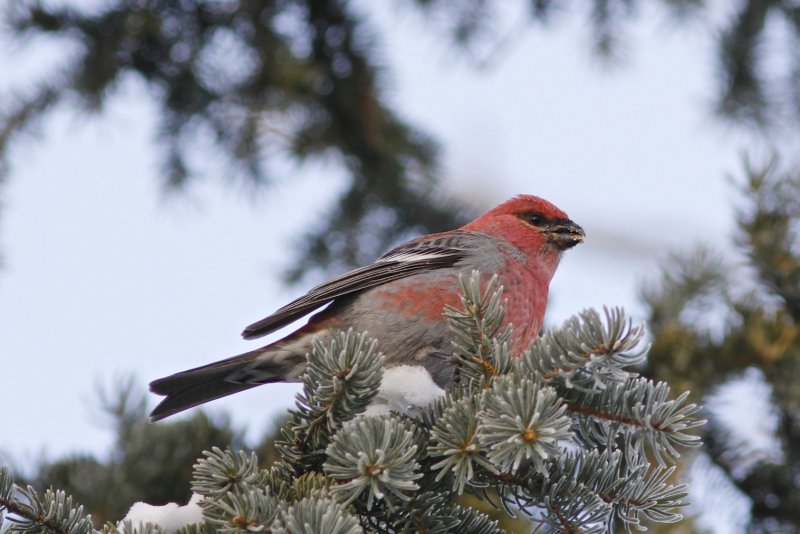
x=755 y=323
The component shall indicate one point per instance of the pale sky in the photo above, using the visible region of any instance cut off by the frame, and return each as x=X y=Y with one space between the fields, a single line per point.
x=103 y=276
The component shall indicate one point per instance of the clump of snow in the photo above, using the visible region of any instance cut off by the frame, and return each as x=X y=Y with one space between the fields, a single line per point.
x=169 y=517
x=404 y=388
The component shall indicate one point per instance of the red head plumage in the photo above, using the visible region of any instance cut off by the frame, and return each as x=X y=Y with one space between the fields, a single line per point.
x=531 y=224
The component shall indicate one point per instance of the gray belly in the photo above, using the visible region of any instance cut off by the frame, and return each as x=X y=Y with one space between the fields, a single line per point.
x=407 y=341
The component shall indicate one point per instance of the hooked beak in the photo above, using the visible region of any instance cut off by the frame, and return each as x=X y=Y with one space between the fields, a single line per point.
x=564 y=234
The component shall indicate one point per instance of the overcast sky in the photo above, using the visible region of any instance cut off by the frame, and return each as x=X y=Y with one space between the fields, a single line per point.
x=103 y=276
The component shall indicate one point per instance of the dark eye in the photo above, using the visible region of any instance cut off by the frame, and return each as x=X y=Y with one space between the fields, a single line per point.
x=534 y=219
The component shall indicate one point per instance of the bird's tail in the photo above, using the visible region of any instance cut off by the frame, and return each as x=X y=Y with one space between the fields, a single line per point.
x=191 y=388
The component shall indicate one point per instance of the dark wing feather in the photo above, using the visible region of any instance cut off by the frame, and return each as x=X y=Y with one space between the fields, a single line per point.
x=400 y=262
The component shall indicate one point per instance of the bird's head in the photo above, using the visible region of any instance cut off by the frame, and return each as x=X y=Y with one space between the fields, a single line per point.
x=532 y=224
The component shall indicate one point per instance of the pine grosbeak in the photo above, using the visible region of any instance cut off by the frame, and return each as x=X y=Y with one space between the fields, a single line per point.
x=399 y=300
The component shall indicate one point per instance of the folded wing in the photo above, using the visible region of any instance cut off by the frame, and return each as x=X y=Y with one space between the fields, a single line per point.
x=415 y=256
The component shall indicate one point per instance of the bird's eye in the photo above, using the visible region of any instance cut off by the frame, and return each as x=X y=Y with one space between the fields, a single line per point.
x=534 y=219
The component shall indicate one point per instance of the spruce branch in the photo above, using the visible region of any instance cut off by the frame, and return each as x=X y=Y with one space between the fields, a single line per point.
x=473 y=522
x=52 y=512
x=279 y=479
x=641 y=412
x=455 y=439
x=343 y=376
x=571 y=507
x=434 y=513
x=241 y=510
x=375 y=456
x=556 y=501
x=127 y=527
x=522 y=419
x=194 y=528
x=311 y=485
x=431 y=414
x=315 y=515
x=647 y=493
x=585 y=491
x=233 y=487
x=588 y=352
x=237 y=495
x=220 y=472
x=627 y=483
x=429 y=511
x=480 y=349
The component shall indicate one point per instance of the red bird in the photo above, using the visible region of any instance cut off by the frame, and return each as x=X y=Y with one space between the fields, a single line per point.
x=399 y=300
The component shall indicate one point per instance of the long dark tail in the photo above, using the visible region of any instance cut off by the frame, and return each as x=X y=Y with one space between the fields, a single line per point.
x=197 y=386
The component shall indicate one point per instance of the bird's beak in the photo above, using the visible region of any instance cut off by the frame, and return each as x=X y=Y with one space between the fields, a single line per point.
x=564 y=234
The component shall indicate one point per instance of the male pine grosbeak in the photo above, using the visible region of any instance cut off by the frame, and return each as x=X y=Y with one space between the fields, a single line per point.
x=399 y=300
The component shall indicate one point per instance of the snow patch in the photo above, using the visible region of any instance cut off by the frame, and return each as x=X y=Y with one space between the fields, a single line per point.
x=406 y=389
x=169 y=517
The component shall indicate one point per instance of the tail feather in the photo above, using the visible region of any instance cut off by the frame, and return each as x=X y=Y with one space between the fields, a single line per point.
x=197 y=386
x=194 y=395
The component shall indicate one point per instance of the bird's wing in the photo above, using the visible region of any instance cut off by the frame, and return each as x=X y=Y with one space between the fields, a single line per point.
x=424 y=254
